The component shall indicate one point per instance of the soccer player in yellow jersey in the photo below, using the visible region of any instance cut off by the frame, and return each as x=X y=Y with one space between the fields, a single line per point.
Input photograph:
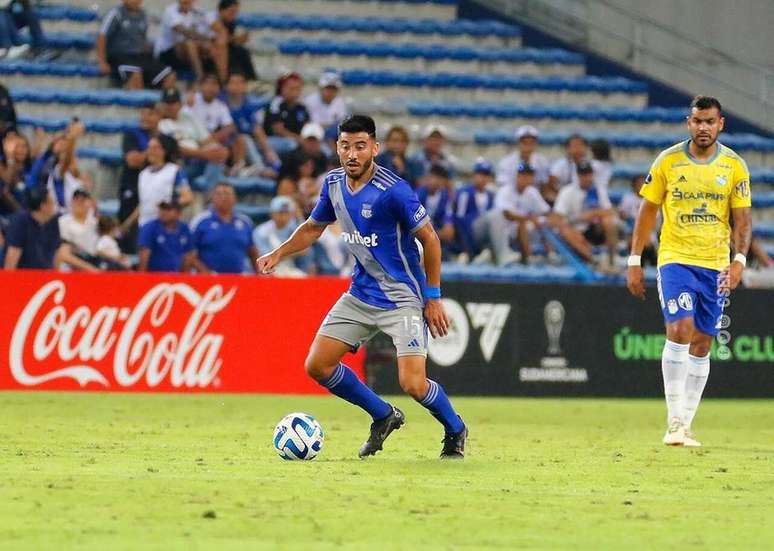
x=699 y=185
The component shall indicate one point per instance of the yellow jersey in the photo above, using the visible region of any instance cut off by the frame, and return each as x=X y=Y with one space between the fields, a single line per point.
x=696 y=199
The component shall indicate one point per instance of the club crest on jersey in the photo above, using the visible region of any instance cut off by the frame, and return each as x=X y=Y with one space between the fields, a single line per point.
x=721 y=180
x=672 y=306
x=365 y=211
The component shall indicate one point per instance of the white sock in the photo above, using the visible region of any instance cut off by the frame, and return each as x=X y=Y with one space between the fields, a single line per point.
x=674 y=367
x=698 y=371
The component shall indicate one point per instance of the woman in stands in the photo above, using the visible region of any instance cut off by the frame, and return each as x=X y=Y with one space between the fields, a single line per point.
x=160 y=181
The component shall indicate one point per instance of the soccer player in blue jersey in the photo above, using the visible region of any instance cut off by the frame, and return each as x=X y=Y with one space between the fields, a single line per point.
x=382 y=220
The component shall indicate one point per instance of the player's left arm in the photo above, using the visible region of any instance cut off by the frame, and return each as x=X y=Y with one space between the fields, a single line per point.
x=742 y=237
x=435 y=313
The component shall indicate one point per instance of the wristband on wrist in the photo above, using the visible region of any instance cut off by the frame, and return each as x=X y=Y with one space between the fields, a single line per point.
x=634 y=260
x=741 y=259
x=433 y=292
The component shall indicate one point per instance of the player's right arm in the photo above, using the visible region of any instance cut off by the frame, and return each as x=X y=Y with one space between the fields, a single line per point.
x=304 y=236
x=653 y=192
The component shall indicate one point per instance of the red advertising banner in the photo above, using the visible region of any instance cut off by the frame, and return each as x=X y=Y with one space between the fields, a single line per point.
x=161 y=332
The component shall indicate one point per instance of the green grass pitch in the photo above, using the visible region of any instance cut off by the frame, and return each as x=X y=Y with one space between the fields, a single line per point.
x=167 y=472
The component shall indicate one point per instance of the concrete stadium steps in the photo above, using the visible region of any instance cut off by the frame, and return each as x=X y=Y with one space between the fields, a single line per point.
x=430 y=58
x=387 y=28
x=372 y=54
x=406 y=9
x=362 y=85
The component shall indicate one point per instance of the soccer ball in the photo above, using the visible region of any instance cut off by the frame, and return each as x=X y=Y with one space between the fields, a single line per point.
x=298 y=436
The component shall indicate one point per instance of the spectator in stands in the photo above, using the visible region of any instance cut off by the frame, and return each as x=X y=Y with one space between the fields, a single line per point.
x=433 y=152
x=564 y=170
x=471 y=202
x=108 y=252
x=394 y=156
x=78 y=228
x=18 y=155
x=224 y=25
x=207 y=107
x=33 y=240
x=518 y=208
x=628 y=211
x=16 y=15
x=271 y=234
x=310 y=149
x=57 y=168
x=437 y=198
x=7 y=113
x=202 y=154
x=285 y=116
x=124 y=52
x=160 y=181
x=326 y=106
x=527 y=141
x=586 y=207
x=601 y=161
x=134 y=145
x=186 y=42
x=166 y=243
x=265 y=162
x=223 y=238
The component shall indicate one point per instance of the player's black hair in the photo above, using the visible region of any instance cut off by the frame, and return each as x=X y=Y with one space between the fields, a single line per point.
x=358 y=123
x=600 y=149
x=440 y=171
x=706 y=102
x=211 y=76
x=236 y=74
x=574 y=136
x=226 y=4
x=36 y=196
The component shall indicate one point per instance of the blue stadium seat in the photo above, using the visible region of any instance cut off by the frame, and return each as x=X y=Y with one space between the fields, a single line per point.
x=764 y=230
x=298 y=46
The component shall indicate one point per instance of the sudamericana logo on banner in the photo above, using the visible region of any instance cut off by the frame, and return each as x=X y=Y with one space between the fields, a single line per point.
x=52 y=342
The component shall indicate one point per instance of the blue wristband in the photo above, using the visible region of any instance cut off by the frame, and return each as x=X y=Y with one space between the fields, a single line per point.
x=433 y=292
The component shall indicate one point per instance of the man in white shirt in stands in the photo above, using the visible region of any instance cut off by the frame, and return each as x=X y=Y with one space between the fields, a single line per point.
x=202 y=153
x=326 y=106
x=586 y=208
x=186 y=41
x=527 y=140
x=215 y=115
x=79 y=226
x=518 y=208
x=564 y=170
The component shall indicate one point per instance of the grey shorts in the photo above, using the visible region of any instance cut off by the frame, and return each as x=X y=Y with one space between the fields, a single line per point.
x=354 y=322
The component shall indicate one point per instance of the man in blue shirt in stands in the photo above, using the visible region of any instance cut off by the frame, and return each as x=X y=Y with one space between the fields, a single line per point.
x=222 y=238
x=471 y=202
x=166 y=244
x=33 y=238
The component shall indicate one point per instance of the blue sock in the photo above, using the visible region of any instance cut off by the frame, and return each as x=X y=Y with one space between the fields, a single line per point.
x=345 y=384
x=440 y=407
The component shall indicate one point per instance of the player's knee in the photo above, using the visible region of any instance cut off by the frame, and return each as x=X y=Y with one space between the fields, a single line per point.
x=317 y=369
x=680 y=331
x=414 y=387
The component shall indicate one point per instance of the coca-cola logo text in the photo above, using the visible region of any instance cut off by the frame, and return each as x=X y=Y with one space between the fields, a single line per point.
x=68 y=344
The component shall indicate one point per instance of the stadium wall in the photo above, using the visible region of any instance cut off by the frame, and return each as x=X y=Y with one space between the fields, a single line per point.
x=161 y=333
x=578 y=340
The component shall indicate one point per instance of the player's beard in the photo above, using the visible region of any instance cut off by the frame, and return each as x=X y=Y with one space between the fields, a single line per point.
x=356 y=174
x=704 y=141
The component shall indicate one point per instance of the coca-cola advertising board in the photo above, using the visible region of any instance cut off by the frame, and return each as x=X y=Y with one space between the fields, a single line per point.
x=153 y=332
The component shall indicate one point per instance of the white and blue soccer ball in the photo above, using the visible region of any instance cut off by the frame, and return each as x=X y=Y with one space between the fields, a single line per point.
x=298 y=436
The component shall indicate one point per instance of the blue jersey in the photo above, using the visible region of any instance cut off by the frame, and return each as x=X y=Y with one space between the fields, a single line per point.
x=167 y=247
x=221 y=245
x=467 y=207
x=438 y=205
x=378 y=223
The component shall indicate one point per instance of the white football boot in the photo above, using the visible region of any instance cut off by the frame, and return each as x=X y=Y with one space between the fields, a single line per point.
x=690 y=441
x=675 y=434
